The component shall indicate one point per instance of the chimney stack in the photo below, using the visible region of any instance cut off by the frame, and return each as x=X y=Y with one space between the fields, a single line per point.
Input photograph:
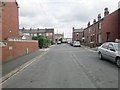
x=23 y=28
x=106 y=12
x=73 y=29
x=94 y=21
x=88 y=24
x=99 y=17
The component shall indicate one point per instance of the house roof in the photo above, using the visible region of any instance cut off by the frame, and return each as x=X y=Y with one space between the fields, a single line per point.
x=78 y=30
x=37 y=30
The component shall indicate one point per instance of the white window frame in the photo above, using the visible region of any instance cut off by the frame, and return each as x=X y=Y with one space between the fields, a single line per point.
x=3 y=44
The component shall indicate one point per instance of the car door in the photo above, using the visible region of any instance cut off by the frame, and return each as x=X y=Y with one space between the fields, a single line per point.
x=111 y=52
x=104 y=48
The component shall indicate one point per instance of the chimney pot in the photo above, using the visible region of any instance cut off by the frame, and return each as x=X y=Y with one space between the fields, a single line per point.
x=99 y=17
x=106 y=12
x=88 y=24
x=94 y=21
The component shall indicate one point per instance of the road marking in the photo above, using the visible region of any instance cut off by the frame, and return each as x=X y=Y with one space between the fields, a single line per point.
x=21 y=68
x=88 y=73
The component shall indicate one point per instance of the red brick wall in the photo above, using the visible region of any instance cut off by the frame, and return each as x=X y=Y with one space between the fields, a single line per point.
x=87 y=36
x=119 y=23
x=19 y=48
x=10 y=20
x=110 y=24
x=98 y=30
x=0 y=25
x=76 y=37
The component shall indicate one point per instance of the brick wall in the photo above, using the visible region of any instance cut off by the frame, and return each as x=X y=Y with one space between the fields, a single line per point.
x=77 y=36
x=17 y=48
x=10 y=23
x=110 y=24
x=0 y=24
x=119 y=22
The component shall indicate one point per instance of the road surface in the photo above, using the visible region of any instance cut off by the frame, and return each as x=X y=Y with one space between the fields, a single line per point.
x=65 y=66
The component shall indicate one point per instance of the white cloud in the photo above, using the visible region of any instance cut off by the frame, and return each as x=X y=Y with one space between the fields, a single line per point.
x=62 y=14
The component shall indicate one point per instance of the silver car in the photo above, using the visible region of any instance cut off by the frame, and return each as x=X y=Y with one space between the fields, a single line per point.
x=76 y=44
x=110 y=51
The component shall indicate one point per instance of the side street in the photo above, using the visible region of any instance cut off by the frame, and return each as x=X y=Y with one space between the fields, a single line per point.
x=44 y=58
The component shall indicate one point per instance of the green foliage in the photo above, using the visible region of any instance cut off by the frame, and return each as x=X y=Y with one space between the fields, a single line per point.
x=34 y=38
x=52 y=42
x=43 y=41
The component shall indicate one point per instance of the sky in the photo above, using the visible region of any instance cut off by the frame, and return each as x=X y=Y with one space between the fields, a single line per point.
x=62 y=15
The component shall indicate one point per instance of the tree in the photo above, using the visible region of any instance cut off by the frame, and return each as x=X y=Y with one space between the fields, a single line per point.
x=43 y=42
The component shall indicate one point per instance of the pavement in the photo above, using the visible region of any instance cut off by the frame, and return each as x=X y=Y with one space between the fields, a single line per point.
x=94 y=48
x=65 y=66
x=15 y=65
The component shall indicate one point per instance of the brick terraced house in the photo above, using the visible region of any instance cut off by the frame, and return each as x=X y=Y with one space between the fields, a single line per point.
x=10 y=43
x=29 y=33
x=102 y=30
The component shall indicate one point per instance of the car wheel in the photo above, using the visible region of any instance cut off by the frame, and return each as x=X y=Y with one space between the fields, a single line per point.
x=100 y=56
x=118 y=62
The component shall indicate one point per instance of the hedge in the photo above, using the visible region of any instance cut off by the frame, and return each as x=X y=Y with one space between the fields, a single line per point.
x=44 y=42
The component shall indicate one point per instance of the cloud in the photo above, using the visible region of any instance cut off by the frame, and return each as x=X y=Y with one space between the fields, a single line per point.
x=62 y=14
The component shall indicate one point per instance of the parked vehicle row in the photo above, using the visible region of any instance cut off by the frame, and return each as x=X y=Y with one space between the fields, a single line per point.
x=110 y=51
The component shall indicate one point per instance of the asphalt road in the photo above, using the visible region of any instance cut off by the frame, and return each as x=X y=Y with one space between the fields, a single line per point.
x=65 y=66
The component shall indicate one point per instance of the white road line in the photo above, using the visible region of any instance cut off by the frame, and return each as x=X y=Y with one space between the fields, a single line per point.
x=88 y=74
x=21 y=68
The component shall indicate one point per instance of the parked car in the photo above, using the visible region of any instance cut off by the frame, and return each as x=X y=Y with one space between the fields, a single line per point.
x=68 y=42
x=76 y=44
x=59 y=42
x=71 y=43
x=110 y=51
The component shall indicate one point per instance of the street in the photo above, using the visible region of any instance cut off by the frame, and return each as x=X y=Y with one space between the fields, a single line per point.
x=65 y=66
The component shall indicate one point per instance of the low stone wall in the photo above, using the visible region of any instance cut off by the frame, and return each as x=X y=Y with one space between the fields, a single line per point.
x=15 y=49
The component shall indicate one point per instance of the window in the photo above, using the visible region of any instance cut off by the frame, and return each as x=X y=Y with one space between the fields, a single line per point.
x=77 y=34
x=117 y=46
x=110 y=46
x=99 y=38
x=3 y=44
x=105 y=45
x=94 y=28
x=89 y=30
x=100 y=25
x=91 y=39
x=40 y=34
x=47 y=34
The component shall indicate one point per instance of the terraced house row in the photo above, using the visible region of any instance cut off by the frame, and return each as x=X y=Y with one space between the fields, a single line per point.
x=101 y=30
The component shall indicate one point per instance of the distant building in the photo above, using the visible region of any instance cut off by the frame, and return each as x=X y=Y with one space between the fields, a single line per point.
x=29 y=33
x=57 y=37
x=65 y=40
x=77 y=34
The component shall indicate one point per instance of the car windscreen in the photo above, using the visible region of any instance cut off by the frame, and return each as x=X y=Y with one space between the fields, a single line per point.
x=117 y=46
